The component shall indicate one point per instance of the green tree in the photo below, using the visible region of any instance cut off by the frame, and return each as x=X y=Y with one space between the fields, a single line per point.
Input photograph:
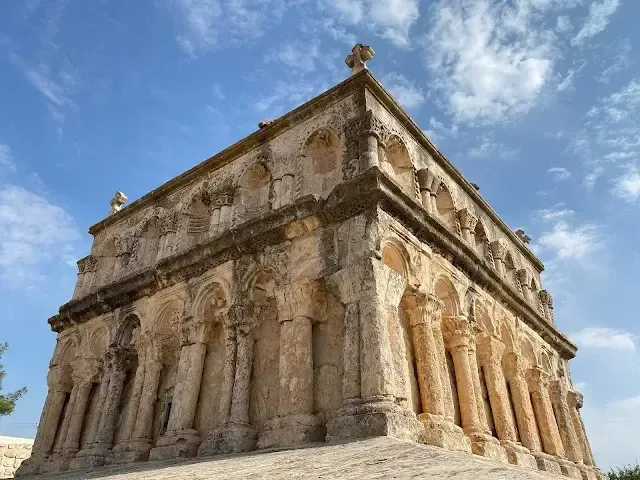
x=7 y=400
x=625 y=473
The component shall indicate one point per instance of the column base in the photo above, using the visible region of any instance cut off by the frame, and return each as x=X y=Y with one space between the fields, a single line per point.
x=31 y=466
x=488 y=447
x=440 y=432
x=231 y=438
x=176 y=444
x=569 y=469
x=95 y=455
x=547 y=463
x=362 y=418
x=519 y=455
x=292 y=430
x=132 y=451
x=588 y=473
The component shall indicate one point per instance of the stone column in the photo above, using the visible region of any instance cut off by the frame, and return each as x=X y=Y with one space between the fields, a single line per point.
x=230 y=351
x=368 y=142
x=180 y=439
x=132 y=411
x=66 y=420
x=461 y=340
x=168 y=231
x=515 y=372
x=425 y=182
x=477 y=387
x=102 y=398
x=295 y=423
x=468 y=221
x=499 y=251
x=524 y=277
x=547 y=305
x=84 y=375
x=491 y=351
x=370 y=292
x=119 y=359
x=575 y=401
x=564 y=419
x=244 y=321
x=55 y=410
x=537 y=380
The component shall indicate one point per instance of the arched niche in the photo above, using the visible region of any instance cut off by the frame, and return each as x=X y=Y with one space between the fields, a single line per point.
x=107 y=259
x=528 y=352
x=321 y=162
x=510 y=270
x=265 y=378
x=211 y=302
x=483 y=318
x=445 y=207
x=198 y=218
x=254 y=186
x=68 y=354
x=395 y=258
x=545 y=361
x=128 y=331
x=445 y=290
x=396 y=162
x=482 y=242
x=149 y=243
x=507 y=336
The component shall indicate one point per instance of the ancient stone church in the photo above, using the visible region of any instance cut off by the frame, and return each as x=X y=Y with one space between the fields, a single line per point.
x=330 y=277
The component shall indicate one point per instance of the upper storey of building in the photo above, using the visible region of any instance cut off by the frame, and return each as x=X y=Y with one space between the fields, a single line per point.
x=303 y=162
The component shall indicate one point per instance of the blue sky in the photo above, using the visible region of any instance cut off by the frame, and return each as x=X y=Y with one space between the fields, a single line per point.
x=537 y=101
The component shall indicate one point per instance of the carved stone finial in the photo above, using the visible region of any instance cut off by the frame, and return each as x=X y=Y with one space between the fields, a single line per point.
x=359 y=55
x=523 y=236
x=116 y=202
x=265 y=123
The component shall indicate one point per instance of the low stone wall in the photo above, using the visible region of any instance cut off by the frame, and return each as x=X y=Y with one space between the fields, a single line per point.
x=13 y=451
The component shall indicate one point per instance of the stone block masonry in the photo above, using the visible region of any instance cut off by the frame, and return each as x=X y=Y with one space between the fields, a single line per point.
x=13 y=451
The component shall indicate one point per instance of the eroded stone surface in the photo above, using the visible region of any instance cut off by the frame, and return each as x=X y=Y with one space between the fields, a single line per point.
x=330 y=277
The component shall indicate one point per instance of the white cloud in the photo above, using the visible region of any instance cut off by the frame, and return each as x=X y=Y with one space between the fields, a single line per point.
x=563 y=24
x=208 y=23
x=6 y=160
x=490 y=59
x=404 y=91
x=627 y=185
x=391 y=19
x=597 y=20
x=297 y=55
x=559 y=173
x=621 y=60
x=489 y=147
x=571 y=241
x=287 y=95
x=33 y=233
x=604 y=338
x=439 y=130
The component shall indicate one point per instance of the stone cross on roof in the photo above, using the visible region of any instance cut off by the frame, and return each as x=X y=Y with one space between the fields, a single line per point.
x=116 y=202
x=359 y=55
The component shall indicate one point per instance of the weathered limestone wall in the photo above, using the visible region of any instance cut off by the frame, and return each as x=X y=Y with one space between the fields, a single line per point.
x=326 y=283
x=13 y=451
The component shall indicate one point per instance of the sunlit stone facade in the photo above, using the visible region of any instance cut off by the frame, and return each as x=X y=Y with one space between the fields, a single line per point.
x=330 y=277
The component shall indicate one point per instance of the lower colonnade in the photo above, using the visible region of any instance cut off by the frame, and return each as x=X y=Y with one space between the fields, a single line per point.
x=453 y=382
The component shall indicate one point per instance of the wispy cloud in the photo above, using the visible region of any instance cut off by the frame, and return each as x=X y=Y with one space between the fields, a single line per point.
x=627 y=185
x=406 y=92
x=559 y=173
x=33 y=233
x=392 y=19
x=597 y=20
x=6 y=159
x=490 y=148
x=297 y=55
x=621 y=60
x=604 y=338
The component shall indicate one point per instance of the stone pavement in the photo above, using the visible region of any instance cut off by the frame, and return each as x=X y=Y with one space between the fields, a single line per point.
x=375 y=458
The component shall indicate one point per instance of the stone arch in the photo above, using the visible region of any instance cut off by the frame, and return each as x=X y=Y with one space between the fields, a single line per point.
x=507 y=337
x=97 y=341
x=446 y=291
x=211 y=297
x=127 y=332
x=528 y=352
x=148 y=244
x=397 y=163
x=66 y=359
x=265 y=377
x=545 y=362
x=395 y=256
x=535 y=297
x=254 y=186
x=445 y=207
x=510 y=270
x=321 y=162
x=107 y=260
x=481 y=241
x=483 y=318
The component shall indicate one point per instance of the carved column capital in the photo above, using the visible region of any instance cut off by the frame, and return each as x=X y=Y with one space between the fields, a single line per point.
x=468 y=219
x=490 y=350
x=85 y=370
x=241 y=316
x=300 y=299
x=498 y=250
x=423 y=307
x=524 y=277
x=463 y=333
x=546 y=298
x=575 y=399
x=87 y=264
x=425 y=179
x=192 y=331
x=515 y=365
x=537 y=379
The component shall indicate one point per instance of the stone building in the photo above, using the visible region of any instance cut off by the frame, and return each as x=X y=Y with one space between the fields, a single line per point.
x=332 y=276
